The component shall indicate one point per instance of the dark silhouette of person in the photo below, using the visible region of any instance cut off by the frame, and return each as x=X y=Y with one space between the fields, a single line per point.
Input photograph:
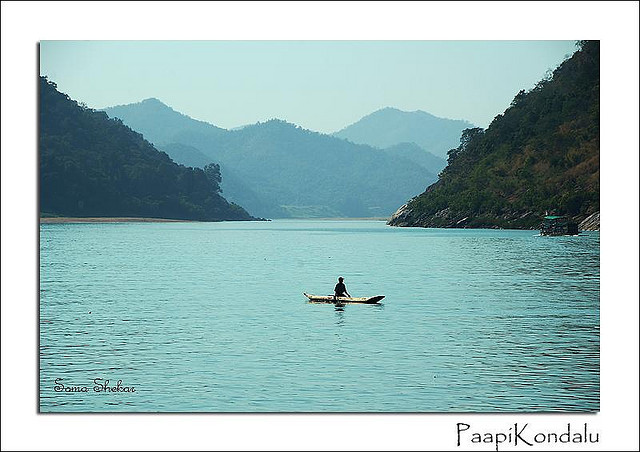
x=340 y=289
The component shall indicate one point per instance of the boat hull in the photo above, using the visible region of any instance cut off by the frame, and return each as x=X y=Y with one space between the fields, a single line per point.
x=343 y=300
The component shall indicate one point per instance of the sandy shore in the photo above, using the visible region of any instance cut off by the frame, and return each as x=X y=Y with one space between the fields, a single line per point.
x=107 y=220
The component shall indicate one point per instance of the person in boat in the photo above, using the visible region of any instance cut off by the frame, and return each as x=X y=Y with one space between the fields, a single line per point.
x=340 y=289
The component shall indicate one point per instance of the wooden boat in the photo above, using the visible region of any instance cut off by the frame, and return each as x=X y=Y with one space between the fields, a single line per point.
x=343 y=300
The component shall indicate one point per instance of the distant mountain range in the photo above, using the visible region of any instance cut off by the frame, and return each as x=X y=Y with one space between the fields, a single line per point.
x=389 y=126
x=541 y=156
x=277 y=169
x=93 y=166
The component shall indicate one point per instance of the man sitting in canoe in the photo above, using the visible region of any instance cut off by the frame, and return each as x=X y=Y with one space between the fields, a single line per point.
x=340 y=289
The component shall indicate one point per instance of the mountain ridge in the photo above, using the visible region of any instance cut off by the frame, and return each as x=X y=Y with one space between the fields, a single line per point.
x=282 y=169
x=390 y=126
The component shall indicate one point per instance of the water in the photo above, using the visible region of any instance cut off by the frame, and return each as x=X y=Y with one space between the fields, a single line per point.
x=210 y=317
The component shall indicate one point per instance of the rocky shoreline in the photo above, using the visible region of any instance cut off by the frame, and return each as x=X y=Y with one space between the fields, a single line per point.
x=591 y=223
x=405 y=216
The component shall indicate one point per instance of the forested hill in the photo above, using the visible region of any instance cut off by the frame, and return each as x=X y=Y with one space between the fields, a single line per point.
x=93 y=166
x=277 y=169
x=540 y=156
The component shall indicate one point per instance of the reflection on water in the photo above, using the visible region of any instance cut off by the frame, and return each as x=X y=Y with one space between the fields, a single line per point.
x=210 y=317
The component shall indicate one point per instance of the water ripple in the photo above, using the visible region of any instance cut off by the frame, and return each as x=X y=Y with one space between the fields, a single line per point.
x=211 y=317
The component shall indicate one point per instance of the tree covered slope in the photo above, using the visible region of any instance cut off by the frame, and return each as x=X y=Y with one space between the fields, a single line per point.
x=541 y=156
x=93 y=166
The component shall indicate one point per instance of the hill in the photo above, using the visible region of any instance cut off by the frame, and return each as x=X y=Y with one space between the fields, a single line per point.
x=417 y=155
x=152 y=114
x=278 y=169
x=185 y=155
x=93 y=166
x=541 y=156
x=390 y=126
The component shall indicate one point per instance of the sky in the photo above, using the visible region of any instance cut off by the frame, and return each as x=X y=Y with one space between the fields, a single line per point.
x=322 y=85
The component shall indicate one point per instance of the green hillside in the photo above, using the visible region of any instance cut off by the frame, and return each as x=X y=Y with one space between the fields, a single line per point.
x=93 y=166
x=540 y=156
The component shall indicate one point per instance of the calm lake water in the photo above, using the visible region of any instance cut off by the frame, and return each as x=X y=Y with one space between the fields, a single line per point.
x=210 y=317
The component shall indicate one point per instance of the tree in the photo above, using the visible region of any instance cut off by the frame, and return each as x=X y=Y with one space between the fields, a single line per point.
x=518 y=98
x=212 y=171
x=468 y=135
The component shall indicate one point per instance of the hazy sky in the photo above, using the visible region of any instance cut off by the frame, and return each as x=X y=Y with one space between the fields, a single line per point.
x=319 y=85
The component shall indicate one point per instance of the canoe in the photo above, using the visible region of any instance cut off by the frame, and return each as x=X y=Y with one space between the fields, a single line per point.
x=330 y=299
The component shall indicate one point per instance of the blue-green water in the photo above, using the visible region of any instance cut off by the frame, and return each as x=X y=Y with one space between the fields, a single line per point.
x=210 y=317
